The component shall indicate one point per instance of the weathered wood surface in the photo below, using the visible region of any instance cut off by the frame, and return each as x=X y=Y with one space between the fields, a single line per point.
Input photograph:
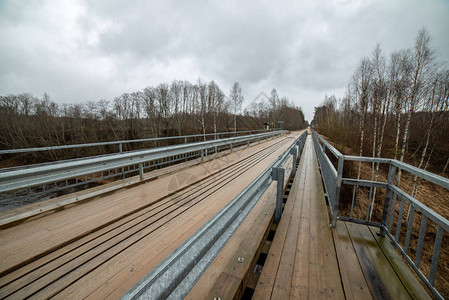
x=101 y=248
x=310 y=260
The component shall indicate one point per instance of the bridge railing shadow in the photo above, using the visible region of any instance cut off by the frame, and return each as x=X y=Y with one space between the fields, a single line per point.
x=411 y=226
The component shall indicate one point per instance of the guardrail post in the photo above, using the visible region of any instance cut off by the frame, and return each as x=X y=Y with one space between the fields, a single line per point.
x=141 y=171
x=278 y=175
x=231 y=148
x=120 y=149
x=388 y=194
x=294 y=151
x=336 y=201
x=202 y=155
x=185 y=140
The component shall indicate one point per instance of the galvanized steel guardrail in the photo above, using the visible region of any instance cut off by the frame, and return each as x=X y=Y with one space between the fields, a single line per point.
x=40 y=175
x=174 y=277
x=184 y=138
x=333 y=179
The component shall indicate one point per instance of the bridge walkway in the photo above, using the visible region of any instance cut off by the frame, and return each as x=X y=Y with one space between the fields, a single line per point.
x=309 y=260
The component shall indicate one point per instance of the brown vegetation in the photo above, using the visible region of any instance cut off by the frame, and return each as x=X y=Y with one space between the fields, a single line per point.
x=179 y=108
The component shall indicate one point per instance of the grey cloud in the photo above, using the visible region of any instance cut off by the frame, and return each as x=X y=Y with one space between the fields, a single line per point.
x=88 y=50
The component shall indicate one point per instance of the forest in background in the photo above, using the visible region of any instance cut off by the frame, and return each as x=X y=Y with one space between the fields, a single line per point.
x=179 y=108
x=394 y=107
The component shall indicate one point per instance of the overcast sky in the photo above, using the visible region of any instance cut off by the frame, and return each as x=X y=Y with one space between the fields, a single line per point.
x=78 y=51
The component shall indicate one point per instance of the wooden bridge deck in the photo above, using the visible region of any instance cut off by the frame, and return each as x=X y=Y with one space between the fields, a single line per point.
x=101 y=248
x=86 y=252
x=310 y=260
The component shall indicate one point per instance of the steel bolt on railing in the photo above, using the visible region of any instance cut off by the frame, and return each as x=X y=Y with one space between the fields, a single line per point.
x=333 y=179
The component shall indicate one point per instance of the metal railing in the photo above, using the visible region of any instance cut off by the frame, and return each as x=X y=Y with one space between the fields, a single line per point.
x=175 y=276
x=398 y=206
x=184 y=139
x=22 y=182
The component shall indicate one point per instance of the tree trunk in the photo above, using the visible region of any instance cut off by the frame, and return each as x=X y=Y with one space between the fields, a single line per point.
x=379 y=147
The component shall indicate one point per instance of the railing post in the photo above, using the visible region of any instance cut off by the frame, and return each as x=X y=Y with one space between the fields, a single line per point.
x=141 y=171
x=278 y=175
x=120 y=149
x=388 y=194
x=336 y=201
x=231 y=148
x=202 y=155
x=185 y=140
x=294 y=151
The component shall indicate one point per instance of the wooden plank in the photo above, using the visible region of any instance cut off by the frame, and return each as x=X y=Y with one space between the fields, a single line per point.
x=352 y=277
x=108 y=245
x=323 y=262
x=282 y=284
x=102 y=242
x=125 y=290
x=183 y=220
x=123 y=282
x=22 y=214
x=97 y=241
x=247 y=239
x=300 y=277
x=114 y=204
x=330 y=284
x=408 y=279
x=199 y=171
x=115 y=275
x=379 y=275
x=283 y=281
x=270 y=269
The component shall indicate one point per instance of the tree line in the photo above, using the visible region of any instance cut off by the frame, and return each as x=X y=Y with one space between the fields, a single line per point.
x=178 y=108
x=395 y=106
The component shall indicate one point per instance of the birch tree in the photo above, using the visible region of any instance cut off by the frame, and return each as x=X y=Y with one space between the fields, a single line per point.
x=380 y=101
x=236 y=99
x=421 y=64
x=362 y=81
x=437 y=101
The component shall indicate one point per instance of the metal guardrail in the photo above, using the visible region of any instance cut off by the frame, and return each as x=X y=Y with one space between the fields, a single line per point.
x=120 y=144
x=330 y=176
x=66 y=174
x=333 y=180
x=174 y=277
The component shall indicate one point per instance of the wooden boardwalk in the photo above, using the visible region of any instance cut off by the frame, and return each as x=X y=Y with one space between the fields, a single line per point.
x=103 y=247
x=310 y=260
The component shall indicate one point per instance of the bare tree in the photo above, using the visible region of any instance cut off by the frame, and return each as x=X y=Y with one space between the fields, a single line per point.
x=362 y=81
x=437 y=101
x=422 y=62
x=236 y=98
x=381 y=101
